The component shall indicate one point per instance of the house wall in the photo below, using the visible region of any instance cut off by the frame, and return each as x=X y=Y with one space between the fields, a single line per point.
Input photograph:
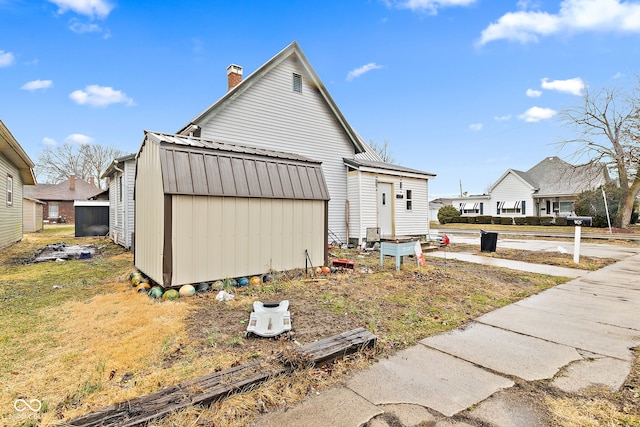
x=220 y=237
x=65 y=210
x=121 y=212
x=511 y=188
x=488 y=207
x=363 y=207
x=149 y=213
x=31 y=216
x=271 y=115
x=10 y=216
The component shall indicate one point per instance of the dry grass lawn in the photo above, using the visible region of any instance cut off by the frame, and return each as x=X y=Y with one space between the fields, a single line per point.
x=95 y=341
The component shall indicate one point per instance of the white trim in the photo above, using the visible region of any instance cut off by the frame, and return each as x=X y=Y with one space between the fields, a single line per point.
x=90 y=203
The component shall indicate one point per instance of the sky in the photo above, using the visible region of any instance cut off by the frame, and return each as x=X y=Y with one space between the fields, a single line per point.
x=463 y=89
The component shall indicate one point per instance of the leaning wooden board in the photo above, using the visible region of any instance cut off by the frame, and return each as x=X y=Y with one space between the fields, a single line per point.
x=214 y=387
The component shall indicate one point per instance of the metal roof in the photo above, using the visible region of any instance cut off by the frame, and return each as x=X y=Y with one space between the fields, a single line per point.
x=195 y=166
x=358 y=163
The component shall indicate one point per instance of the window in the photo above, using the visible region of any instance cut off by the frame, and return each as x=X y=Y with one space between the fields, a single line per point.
x=409 y=200
x=9 y=190
x=510 y=208
x=297 y=82
x=53 y=210
x=120 y=188
x=566 y=207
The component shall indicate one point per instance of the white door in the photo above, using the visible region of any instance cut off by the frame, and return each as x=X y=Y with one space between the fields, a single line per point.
x=384 y=208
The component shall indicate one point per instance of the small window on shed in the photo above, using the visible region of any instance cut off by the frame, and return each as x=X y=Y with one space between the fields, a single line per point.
x=9 y=190
x=120 y=188
x=297 y=82
x=409 y=200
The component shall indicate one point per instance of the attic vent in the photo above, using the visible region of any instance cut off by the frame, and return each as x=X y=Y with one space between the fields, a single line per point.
x=297 y=82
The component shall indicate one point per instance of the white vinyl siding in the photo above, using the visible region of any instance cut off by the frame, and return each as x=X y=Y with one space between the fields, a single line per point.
x=511 y=189
x=221 y=237
x=149 y=213
x=363 y=207
x=121 y=210
x=270 y=115
x=10 y=214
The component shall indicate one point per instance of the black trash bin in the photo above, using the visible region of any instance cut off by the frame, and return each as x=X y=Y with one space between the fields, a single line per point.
x=488 y=241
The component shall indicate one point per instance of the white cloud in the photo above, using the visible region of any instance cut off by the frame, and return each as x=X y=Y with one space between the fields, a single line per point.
x=502 y=118
x=90 y=8
x=362 y=70
x=532 y=93
x=48 y=141
x=81 y=27
x=573 y=86
x=617 y=75
x=574 y=16
x=536 y=114
x=100 y=96
x=475 y=127
x=37 y=85
x=78 y=138
x=429 y=6
x=6 y=58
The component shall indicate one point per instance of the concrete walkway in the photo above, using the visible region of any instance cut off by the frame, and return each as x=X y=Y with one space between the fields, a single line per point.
x=578 y=334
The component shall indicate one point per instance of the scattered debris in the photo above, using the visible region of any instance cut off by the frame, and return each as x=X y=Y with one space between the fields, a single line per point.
x=224 y=296
x=57 y=287
x=269 y=319
x=62 y=252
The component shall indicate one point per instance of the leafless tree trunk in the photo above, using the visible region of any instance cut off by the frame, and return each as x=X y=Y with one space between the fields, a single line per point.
x=84 y=161
x=608 y=125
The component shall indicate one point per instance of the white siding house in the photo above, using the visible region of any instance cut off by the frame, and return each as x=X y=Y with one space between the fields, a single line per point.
x=547 y=189
x=284 y=106
x=15 y=171
x=121 y=175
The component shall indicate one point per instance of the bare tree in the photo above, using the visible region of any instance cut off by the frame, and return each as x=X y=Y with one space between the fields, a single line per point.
x=55 y=164
x=608 y=129
x=382 y=150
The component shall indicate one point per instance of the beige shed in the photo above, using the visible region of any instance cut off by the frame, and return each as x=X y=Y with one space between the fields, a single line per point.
x=207 y=210
x=31 y=214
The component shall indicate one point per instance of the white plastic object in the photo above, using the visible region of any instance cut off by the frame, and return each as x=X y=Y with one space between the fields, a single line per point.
x=269 y=319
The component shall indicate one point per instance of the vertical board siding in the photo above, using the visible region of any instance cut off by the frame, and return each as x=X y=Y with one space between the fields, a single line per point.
x=271 y=115
x=220 y=237
x=510 y=189
x=149 y=212
x=10 y=216
x=129 y=207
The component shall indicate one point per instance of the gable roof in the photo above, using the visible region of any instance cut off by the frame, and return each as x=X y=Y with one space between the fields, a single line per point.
x=11 y=149
x=113 y=167
x=196 y=166
x=61 y=191
x=292 y=49
x=554 y=177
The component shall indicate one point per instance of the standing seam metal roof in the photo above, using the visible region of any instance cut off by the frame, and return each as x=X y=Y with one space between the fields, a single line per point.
x=195 y=166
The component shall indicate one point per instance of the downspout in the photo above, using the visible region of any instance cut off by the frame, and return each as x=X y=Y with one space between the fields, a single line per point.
x=115 y=166
x=359 y=207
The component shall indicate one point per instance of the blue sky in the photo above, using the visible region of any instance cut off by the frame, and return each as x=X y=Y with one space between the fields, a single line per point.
x=465 y=89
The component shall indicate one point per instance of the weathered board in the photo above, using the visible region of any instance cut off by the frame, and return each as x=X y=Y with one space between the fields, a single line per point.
x=214 y=387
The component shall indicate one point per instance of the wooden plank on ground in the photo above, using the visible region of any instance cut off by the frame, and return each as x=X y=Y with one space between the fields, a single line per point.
x=217 y=386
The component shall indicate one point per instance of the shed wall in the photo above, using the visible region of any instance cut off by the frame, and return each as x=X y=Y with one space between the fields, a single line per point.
x=121 y=215
x=10 y=216
x=271 y=115
x=31 y=216
x=149 y=213
x=220 y=237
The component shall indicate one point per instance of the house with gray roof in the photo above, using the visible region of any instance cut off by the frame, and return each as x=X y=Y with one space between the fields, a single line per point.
x=547 y=189
x=58 y=198
x=284 y=106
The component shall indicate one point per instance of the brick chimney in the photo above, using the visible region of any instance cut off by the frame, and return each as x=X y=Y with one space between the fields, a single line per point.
x=72 y=182
x=234 y=76
x=92 y=181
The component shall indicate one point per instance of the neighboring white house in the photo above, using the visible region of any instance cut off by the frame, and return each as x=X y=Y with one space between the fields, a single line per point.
x=284 y=106
x=16 y=171
x=547 y=189
x=122 y=176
